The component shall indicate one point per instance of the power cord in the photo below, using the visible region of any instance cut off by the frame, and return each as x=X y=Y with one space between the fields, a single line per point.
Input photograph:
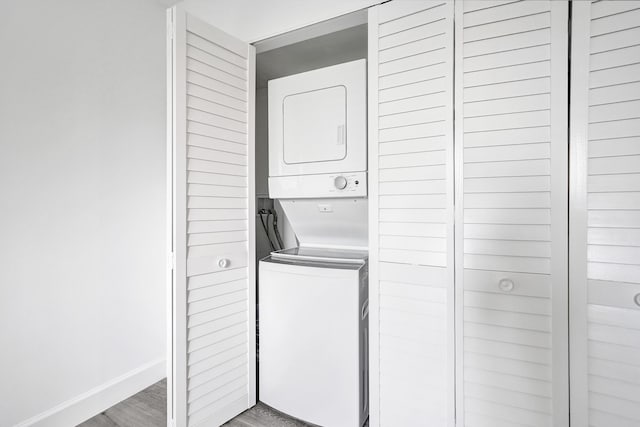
x=264 y=219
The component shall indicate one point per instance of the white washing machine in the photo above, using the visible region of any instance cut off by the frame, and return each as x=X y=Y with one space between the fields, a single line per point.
x=313 y=335
x=313 y=313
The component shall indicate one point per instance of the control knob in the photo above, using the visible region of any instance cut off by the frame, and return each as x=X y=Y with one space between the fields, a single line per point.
x=340 y=182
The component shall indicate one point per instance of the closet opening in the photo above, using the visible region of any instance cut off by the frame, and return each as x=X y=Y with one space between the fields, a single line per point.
x=311 y=244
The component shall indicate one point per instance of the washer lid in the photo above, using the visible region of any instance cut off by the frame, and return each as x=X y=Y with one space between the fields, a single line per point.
x=332 y=255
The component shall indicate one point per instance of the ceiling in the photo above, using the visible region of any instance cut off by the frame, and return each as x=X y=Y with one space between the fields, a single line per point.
x=254 y=20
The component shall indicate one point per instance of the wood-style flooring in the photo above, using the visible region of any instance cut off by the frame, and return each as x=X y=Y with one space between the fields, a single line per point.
x=262 y=415
x=149 y=409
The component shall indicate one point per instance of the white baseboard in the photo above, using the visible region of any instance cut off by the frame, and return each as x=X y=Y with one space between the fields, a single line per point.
x=81 y=408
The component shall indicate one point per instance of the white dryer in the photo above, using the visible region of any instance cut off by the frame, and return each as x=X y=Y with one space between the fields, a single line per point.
x=318 y=133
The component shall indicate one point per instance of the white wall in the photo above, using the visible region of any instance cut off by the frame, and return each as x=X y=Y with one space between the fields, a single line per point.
x=82 y=199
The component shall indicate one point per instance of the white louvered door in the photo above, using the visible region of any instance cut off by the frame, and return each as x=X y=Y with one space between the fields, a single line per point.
x=511 y=213
x=605 y=221
x=212 y=96
x=411 y=214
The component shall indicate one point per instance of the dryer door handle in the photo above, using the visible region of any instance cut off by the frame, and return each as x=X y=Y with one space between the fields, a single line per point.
x=341 y=135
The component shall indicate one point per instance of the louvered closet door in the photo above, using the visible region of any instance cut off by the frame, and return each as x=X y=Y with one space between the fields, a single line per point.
x=411 y=213
x=605 y=223
x=511 y=213
x=213 y=239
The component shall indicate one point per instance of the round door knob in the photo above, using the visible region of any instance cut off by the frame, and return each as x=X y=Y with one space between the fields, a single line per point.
x=340 y=182
x=506 y=285
x=223 y=263
x=636 y=299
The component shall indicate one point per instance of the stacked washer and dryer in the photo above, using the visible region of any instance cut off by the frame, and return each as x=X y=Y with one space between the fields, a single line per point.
x=313 y=298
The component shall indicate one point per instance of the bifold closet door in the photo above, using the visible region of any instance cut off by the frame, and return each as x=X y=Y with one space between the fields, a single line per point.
x=605 y=214
x=411 y=214
x=212 y=95
x=511 y=213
